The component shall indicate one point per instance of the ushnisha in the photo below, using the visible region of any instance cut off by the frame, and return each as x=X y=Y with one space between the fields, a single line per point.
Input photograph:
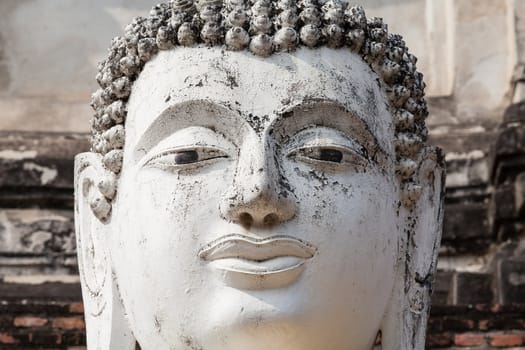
x=264 y=27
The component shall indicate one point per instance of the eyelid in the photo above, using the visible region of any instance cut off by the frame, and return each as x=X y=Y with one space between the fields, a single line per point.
x=322 y=137
x=356 y=157
x=319 y=138
x=187 y=139
x=334 y=146
x=180 y=149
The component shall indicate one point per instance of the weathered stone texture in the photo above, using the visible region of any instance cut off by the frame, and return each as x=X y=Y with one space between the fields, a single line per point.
x=36 y=172
x=36 y=169
x=485 y=184
x=36 y=232
x=512 y=279
x=508 y=172
x=473 y=288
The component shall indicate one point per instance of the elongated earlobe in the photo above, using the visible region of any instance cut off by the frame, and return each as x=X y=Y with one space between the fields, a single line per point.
x=404 y=325
x=106 y=325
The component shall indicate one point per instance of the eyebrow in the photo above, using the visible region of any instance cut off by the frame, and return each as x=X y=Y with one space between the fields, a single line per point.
x=351 y=124
x=182 y=115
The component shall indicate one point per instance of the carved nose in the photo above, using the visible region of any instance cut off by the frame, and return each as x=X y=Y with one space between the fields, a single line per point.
x=259 y=205
x=257 y=196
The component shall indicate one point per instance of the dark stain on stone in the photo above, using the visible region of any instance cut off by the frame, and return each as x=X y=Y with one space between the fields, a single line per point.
x=257 y=122
x=232 y=81
x=188 y=341
x=157 y=323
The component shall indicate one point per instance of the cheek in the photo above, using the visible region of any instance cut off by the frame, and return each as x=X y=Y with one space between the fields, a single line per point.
x=162 y=225
x=345 y=198
x=180 y=201
x=169 y=212
x=352 y=219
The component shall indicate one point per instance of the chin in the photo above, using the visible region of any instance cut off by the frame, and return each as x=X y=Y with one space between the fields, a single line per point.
x=290 y=318
x=270 y=330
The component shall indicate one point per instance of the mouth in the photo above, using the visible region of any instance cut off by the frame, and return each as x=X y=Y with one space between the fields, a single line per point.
x=253 y=263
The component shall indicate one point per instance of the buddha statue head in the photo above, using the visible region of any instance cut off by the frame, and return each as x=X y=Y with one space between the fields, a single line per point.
x=258 y=179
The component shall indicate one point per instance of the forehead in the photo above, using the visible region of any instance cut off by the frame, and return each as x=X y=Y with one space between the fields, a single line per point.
x=258 y=87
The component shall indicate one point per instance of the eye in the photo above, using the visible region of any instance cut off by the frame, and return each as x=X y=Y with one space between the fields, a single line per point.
x=186 y=157
x=328 y=149
x=329 y=155
x=323 y=154
x=178 y=158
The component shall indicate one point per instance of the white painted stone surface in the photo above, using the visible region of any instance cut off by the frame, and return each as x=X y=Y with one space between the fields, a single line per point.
x=234 y=227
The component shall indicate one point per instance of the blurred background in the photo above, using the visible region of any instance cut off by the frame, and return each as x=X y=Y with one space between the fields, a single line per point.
x=472 y=53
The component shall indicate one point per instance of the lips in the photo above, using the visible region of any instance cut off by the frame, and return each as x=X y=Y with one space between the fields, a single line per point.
x=258 y=263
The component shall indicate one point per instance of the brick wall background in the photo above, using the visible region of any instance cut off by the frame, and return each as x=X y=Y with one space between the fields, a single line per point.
x=473 y=55
x=479 y=297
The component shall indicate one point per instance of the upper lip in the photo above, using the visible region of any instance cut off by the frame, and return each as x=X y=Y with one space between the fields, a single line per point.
x=256 y=249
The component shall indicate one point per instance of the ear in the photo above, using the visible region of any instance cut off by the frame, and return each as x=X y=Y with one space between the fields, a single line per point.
x=106 y=325
x=404 y=326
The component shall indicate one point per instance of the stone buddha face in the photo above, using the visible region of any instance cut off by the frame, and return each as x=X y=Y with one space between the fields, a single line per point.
x=253 y=190
x=259 y=206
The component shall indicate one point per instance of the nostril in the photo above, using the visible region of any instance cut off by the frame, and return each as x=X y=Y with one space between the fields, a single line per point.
x=246 y=219
x=270 y=219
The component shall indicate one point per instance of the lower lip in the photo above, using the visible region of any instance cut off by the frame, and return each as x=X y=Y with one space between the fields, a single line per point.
x=254 y=275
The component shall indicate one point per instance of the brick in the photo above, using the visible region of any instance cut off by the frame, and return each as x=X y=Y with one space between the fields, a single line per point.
x=439 y=311
x=439 y=340
x=513 y=322
x=76 y=338
x=69 y=323
x=483 y=325
x=40 y=293
x=511 y=140
x=435 y=325
x=467 y=169
x=76 y=308
x=5 y=321
x=29 y=321
x=503 y=205
x=496 y=308
x=473 y=288
x=441 y=288
x=502 y=340
x=465 y=221
x=469 y=339
x=512 y=272
x=458 y=324
x=7 y=339
x=44 y=338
